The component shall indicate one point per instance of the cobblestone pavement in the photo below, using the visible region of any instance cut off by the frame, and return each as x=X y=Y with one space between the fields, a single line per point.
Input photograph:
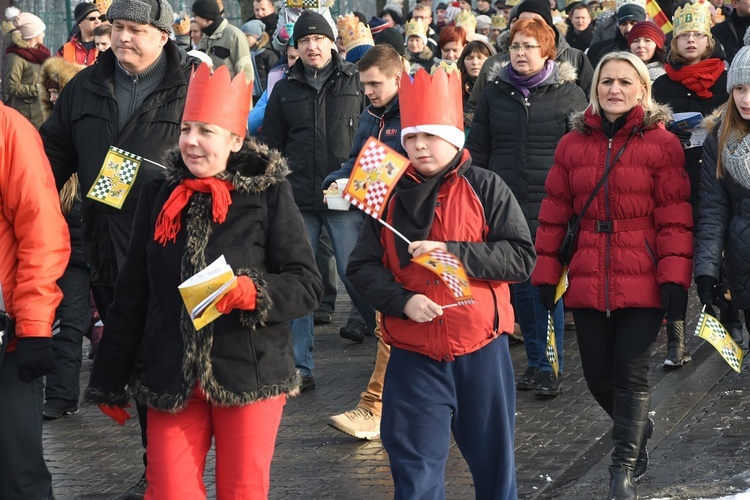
x=699 y=448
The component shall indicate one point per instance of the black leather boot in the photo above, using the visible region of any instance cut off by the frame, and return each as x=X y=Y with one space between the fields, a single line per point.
x=641 y=464
x=677 y=353
x=630 y=425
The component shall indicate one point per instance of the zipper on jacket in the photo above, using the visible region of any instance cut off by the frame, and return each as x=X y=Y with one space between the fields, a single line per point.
x=607 y=241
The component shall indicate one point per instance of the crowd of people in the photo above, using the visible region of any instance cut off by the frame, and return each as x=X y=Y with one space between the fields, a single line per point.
x=579 y=148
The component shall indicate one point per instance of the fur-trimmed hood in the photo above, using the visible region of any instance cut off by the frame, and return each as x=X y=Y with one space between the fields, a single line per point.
x=426 y=55
x=17 y=40
x=58 y=70
x=659 y=114
x=566 y=73
x=713 y=121
x=251 y=170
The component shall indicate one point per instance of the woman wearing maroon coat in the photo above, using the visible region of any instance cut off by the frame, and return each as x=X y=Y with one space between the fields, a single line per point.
x=633 y=251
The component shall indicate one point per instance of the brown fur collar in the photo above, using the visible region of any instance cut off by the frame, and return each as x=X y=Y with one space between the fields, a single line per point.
x=58 y=70
x=713 y=121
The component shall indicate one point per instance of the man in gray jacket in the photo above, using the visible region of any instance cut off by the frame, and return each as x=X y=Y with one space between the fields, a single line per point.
x=222 y=41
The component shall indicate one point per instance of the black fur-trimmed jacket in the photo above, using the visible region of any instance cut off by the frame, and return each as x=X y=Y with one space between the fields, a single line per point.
x=241 y=357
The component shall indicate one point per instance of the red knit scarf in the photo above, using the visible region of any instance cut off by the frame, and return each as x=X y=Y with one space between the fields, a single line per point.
x=168 y=223
x=35 y=55
x=698 y=77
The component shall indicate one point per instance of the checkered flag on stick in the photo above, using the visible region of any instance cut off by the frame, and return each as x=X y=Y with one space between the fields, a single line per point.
x=711 y=329
x=551 y=350
x=451 y=272
x=116 y=177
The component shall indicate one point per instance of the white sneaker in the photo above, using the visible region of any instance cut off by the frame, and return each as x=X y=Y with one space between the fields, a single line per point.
x=359 y=422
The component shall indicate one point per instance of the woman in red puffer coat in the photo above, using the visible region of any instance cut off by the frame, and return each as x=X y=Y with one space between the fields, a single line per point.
x=633 y=250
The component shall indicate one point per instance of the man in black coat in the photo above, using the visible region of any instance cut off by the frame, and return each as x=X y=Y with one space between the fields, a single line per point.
x=731 y=32
x=311 y=117
x=628 y=16
x=131 y=99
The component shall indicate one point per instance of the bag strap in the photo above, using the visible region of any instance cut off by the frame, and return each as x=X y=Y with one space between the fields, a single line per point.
x=607 y=170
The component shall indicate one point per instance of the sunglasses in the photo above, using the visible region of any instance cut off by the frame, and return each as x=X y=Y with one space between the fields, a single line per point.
x=102 y=18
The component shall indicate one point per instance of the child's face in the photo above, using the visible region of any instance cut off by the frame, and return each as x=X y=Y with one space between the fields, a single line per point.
x=102 y=43
x=415 y=45
x=429 y=153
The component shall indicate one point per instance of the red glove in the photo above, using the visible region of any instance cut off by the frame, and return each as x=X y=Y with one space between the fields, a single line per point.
x=116 y=413
x=240 y=297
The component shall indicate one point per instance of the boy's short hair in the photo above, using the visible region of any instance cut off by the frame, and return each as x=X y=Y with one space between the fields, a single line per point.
x=422 y=7
x=384 y=57
x=103 y=30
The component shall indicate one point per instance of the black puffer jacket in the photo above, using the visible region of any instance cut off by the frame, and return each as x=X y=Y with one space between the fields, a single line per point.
x=82 y=127
x=242 y=356
x=723 y=225
x=516 y=137
x=314 y=131
x=681 y=99
x=730 y=34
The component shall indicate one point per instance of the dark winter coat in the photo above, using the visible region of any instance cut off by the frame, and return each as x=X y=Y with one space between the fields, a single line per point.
x=565 y=52
x=82 y=127
x=731 y=33
x=599 y=50
x=723 y=225
x=681 y=99
x=264 y=58
x=384 y=124
x=647 y=189
x=516 y=137
x=582 y=40
x=425 y=59
x=314 y=131
x=242 y=356
x=476 y=214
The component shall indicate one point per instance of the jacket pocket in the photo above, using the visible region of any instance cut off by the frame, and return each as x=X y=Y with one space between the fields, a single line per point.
x=298 y=110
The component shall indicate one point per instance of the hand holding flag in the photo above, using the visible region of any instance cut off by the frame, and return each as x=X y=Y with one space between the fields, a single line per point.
x=711 y=329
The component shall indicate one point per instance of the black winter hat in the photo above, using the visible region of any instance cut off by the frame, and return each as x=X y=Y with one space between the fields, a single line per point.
x=82 y=10
x=312 y=23
x=207 y=9
x=540 y=7
x=392 y=37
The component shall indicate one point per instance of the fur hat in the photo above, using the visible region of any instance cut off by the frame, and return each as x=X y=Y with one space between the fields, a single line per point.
x=156 y=12
x=28 y=25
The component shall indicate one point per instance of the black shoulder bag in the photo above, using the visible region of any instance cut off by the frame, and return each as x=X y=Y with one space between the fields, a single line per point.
x=565 y=254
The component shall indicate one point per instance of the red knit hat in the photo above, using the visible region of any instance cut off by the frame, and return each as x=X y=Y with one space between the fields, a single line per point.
x=218 y=100
x=647 y=29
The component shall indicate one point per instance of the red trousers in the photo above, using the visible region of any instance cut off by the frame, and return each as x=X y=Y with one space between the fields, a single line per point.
x=178 y=444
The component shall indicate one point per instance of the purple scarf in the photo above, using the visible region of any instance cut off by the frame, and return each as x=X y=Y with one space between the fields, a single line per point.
x=526 y=84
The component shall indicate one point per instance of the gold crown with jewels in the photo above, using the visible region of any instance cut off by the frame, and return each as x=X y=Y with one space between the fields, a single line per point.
x=694 y=17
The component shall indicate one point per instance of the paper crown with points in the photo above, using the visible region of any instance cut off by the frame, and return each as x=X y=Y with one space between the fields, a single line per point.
x=432 y=104
x=181 y=24
x=218 y=100
x=512 y=3
x=103 y=6
x=692 y=17
x=355 y=35
x=498 y=22
x=447 y=66
x=415 y=27
x=466 y=18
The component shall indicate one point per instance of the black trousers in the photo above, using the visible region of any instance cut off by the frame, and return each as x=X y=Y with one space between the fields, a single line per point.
x=616 y=350
x=72 y=319
x=23 y=472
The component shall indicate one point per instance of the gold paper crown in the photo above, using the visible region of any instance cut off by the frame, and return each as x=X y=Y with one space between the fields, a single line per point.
x=448 y=66
x=466 y=18
x=103 y=6
x=181 y=26
x=498 y=22
x=415 y=27
x=692 y=17
x=512 y=3
x=353 y=32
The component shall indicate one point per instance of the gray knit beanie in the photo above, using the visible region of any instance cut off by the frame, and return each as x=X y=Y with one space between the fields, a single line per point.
x=739 y=71
x=156 y=12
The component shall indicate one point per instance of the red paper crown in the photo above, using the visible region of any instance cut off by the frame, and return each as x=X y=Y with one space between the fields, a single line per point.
x=431 y=100
x=218 y=100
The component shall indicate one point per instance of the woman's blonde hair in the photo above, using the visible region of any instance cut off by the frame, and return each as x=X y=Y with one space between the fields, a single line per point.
x=68 y=194
x=675 y=58
x=732 y=122
x=646 y=102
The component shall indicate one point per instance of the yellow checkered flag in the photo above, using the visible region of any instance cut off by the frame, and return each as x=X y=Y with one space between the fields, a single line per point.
x=711 y=329
x=552 y=345
x=116 y=177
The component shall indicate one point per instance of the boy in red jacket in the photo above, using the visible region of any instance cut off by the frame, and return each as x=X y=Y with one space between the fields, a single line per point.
x=450 y=368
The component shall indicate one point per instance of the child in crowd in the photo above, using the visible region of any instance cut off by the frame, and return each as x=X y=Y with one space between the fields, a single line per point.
x=450 y=368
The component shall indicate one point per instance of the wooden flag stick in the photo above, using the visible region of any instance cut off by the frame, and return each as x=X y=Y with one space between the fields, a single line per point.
x=394 y=230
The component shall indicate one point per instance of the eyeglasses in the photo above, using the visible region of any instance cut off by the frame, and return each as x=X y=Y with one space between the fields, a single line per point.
x=94 y=18
x=525 y=47
x=696 y=36
x=311 y=38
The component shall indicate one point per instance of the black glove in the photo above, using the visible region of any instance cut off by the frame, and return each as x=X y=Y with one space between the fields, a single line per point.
x=34 y=357
x=673 y=300
x=682 y=134
x=706 y=286
x=547 y=296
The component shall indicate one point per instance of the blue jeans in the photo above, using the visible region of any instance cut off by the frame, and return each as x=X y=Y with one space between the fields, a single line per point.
x=343 y=228
x=532 y=317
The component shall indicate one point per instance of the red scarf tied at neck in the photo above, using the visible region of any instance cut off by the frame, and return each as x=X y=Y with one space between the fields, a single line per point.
x=698 y=77
x=168 y=223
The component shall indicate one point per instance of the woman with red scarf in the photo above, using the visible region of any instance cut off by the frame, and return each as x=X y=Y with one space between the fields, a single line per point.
x=227 y=382
x=23 y=61
x=696 y=81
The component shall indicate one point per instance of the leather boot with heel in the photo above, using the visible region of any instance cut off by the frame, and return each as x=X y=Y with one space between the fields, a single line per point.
x=630 y=426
